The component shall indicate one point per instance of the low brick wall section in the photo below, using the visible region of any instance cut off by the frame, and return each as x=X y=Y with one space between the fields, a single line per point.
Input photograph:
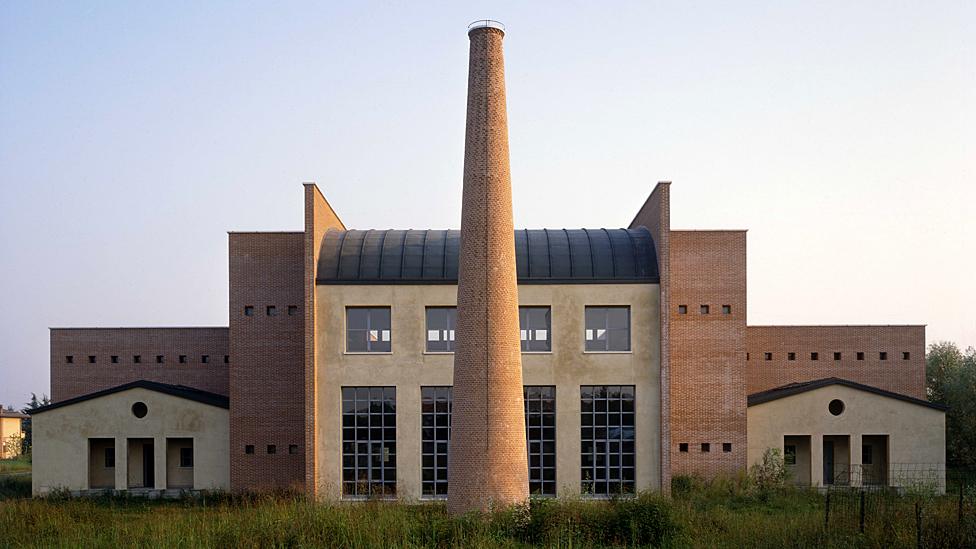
x=85 y=360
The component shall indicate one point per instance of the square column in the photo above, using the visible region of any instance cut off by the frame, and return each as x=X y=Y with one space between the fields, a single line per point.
x=121 y=463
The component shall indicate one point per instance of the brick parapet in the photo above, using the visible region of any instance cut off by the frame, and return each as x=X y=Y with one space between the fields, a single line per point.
x=81 y=377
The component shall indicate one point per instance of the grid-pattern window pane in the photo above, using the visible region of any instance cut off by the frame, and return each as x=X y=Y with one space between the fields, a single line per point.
x=607 y=439
x=608 y=328
x=535 y=324
x=368 y=441
x=368 y=329
x=435 y=426
x=440 y=329
x=540 y=434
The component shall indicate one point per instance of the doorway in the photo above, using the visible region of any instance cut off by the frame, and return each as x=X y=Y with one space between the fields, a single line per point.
x=796 y=455
x=836 y=460
x=142 y=463
x=874 y=460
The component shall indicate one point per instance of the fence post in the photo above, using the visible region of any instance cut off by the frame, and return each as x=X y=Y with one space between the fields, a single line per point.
x=862 y=511
x=918 y=526
x=827 y=512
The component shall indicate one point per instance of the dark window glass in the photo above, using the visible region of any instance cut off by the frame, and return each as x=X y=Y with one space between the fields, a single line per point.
x=866 y=455
x=791 y=356
x=435 y=439
x=882 y=356
x=368 y=441
x=137 y=358
x=860 y=355
x=271 y=310
x=837 y=356
x=540 y=435
x=368 y=329
x=292 y=448
x=768 y=356
x=535 y=326
x=836 y=407
x=248 y=310
x=704 y=309
x=682 y=309
x=91 y=359
x=608 y=328
x=440 y=329
x=906 y=356
x=789 y=454
x=607 y=440
x=182 y=359
x=249 y=449
x=706 y=447
x=110 y=457
x=272 y=449
x=292 y=310
x=186 y=457
x=726 y=446
x=226 y=359
x=683 y=447
x=139 y=409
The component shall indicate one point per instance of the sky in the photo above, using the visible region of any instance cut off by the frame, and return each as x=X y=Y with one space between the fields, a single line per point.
x=133 y=136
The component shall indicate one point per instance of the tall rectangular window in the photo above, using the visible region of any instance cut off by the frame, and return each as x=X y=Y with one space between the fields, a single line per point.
x=368 y=329
x=110 y=457
x=607 y=439
x=608 y=328
x=368 y=441
x=186 y=457
x=435 y=428
x=535 y=326
x=440 y=329
x=540 y=434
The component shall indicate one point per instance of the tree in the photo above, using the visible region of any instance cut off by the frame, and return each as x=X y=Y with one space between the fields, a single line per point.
x=32 y=405
x=951 y=380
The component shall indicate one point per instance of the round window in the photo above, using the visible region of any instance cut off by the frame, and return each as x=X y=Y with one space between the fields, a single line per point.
x=139 y=409
x=836 y=407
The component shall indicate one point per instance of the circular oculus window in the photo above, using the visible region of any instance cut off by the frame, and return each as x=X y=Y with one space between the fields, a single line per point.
x=139 y=409
x=836 y=407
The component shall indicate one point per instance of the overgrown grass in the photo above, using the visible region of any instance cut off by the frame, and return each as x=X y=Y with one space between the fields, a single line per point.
x=721 y=513
x=18 y=464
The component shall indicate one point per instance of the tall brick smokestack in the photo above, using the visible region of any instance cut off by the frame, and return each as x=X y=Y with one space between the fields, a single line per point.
x=488 y=454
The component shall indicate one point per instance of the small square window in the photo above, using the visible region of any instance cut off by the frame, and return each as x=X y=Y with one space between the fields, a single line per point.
x=136 y=359
x=683 y=447
x=205 y=359
x=882 y=356
x=790 y=356
x=906 y=356
x=69 y=359
x=726 y=446
x=726 y=309
x=814 y=356
x=226 y=359
x=249 y=449
x=860 y=355
x=160 y=359
x=186 y=457
x=706 y=447
x=248 y=310
x=704 y=309
x=768 y=356
x=272 y=449
x=682 y=309
x=292 y=449
x=292 y=310
x=182 y=359
x=836 y=356
x=115 y=359
x=271 y=310
x=91 y=359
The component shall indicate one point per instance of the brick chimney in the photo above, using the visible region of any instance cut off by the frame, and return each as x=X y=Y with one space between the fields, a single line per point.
x=488 y=454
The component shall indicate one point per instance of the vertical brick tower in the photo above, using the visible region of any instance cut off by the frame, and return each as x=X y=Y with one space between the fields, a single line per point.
x=488 y=454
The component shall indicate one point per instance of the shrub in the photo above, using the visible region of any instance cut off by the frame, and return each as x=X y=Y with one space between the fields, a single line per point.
x=770 y=473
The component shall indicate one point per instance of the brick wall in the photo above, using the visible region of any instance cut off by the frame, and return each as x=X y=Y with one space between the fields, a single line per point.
x=267 y=381
x=655 y=214
x=892 y=374
x=319 y=217
x=708 y=351
x=81 y=377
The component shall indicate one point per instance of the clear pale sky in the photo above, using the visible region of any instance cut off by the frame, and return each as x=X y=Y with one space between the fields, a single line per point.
x=842 y=135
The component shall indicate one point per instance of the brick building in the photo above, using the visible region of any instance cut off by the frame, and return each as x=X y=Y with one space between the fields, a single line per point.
x=636 y=360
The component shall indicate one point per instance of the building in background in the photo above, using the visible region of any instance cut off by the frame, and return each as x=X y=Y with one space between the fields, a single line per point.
x=334 y=376
x=11 y=433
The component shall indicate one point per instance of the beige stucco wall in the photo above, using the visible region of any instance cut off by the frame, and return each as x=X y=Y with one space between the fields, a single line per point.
x=9 y=429
x=916 y=434
x=61 y=449
x=409 y=368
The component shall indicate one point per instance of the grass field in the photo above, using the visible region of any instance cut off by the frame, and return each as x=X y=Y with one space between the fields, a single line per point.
x=723 y=513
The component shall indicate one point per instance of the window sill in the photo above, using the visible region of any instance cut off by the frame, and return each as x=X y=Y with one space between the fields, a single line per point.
x=438 y=352
x=536 y=352
x=608 y=352
x=367 y=353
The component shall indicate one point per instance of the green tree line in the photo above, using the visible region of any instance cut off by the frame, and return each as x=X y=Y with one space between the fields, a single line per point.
x=951 y=380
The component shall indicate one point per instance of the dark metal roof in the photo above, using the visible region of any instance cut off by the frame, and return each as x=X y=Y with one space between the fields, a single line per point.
x=181 y=391
x=796 y=388
x=13 y=414
x=542 y=256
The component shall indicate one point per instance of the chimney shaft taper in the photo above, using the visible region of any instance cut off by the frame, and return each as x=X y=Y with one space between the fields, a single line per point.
x=488 y=453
